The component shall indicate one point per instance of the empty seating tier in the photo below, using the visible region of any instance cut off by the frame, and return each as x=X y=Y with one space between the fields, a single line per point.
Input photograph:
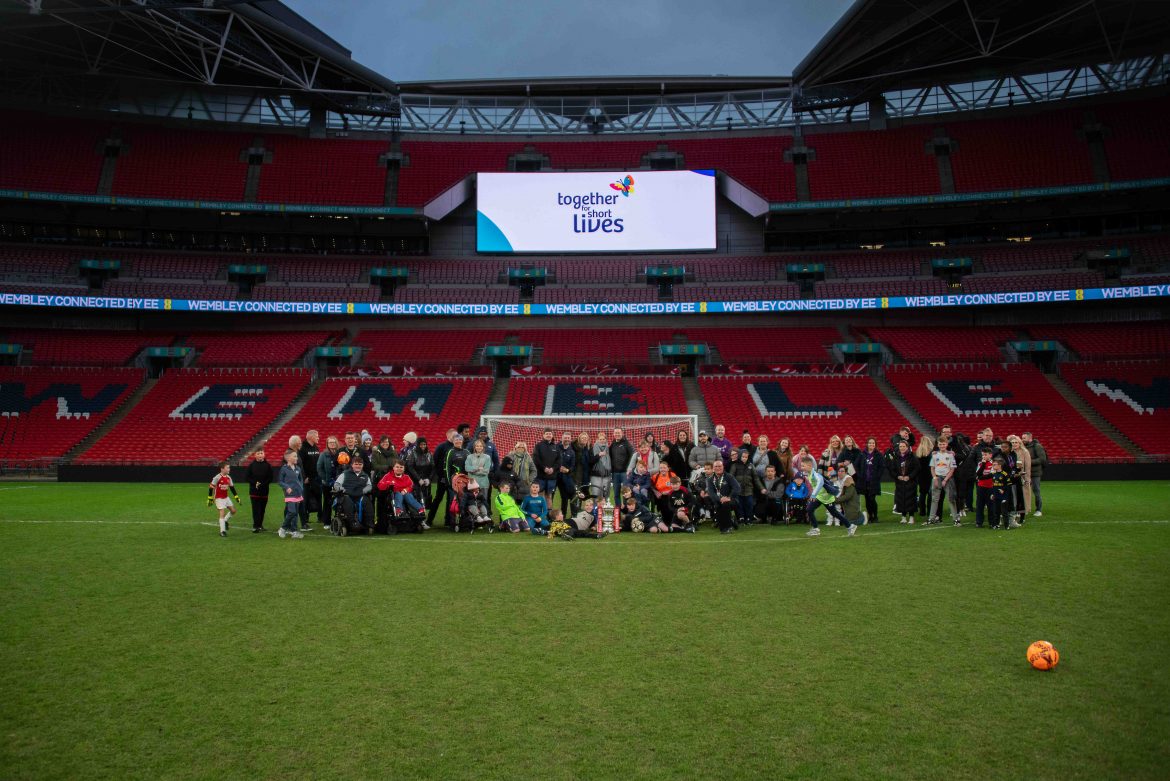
x=616 y=395
x=85 y=348
x=45 y=412
x=806 y=410
x=1109 y=340
x=1010 y=399
x=428 y=407
x=456 y=347
x=1133 y=398
x=198 y=416
x=945 y=343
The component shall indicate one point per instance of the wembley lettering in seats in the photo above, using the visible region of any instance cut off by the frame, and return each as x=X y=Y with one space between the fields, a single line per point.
x=977 y=397
x=72 y=403
x=222 y=402
x=426 y=401
x=568 y=398
x=1142 y=399
x=772 y=402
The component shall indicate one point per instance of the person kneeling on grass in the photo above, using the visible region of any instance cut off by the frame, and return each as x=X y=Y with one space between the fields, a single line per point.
x=511 y=517
x=680 y=507
x=635 y=517
x=292 y=480
x=535 y=509
x=218 y=490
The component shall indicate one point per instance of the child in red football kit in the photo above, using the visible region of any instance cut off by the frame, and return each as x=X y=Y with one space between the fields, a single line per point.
x=218 y=490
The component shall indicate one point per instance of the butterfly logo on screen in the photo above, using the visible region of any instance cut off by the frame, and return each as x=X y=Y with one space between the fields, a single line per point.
x=625 y=185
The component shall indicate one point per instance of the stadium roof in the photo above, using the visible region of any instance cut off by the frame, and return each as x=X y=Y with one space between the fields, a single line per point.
x=62 y=45
x=882 y=45
x=596 y=86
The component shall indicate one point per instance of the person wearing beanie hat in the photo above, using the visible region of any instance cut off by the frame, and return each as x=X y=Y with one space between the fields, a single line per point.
x=420 y=465
x=355 y=486
x=409 y=440
x=489 y=447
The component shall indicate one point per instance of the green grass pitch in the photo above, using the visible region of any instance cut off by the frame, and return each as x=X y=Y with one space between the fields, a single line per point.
x=135 y=643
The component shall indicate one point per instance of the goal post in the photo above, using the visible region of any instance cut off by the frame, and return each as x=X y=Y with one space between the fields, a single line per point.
x=507 y=430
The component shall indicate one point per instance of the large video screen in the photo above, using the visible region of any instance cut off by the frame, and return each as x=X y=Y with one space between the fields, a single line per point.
x=614 y=211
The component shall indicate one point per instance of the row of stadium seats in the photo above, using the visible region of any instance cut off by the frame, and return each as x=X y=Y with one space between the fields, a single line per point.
x=459 y=347
x=1035 y=150
x=606 y=395
x=60 y=265
x=560 y=294
x=198 y=415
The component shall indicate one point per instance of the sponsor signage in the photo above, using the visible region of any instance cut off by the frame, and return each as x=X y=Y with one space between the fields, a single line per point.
x=605 y=211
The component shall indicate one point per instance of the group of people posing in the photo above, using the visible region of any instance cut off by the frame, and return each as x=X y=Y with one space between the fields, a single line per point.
x=562 y=486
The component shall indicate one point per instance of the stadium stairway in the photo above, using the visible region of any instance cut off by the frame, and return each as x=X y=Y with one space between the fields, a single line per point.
x=499 y=394
x=111 y=421
x=696 y=406
x=908 y=412
x=281 y=420
x=1092 y=416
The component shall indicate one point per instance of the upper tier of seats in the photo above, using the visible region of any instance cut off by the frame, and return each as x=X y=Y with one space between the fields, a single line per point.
x=1109 y=340
x=946 y=343
x=1011 y=399
x=44 y=412
x=1048 y=148
x=769 y=344
x=255 y=348
x=199 y=416
x=85 y=347
x=456 y=347
x=168 y=274
x=427 y=406
x=595 y=395
x=1134 y=398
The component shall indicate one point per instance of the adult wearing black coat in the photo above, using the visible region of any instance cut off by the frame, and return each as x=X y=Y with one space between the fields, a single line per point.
x=621 y=453
x=443 y=491
x=869 y=467
x=546 y=456
x=903 y=468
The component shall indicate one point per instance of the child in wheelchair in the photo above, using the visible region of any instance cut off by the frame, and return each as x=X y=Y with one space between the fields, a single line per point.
x=405 y=513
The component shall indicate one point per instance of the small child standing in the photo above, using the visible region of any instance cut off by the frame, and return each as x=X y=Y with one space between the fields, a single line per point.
x=291 y=480
x=218 y=490
x=535 y=508
x=259 y=476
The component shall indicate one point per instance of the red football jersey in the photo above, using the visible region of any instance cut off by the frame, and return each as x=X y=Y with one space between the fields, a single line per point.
x=221 y=484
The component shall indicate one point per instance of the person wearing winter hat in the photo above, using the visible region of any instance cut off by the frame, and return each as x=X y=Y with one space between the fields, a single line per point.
x=420 y=465
x=409 y=440
x=489 y=447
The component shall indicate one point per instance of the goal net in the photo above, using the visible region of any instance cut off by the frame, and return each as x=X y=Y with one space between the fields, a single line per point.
x=507 y=430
